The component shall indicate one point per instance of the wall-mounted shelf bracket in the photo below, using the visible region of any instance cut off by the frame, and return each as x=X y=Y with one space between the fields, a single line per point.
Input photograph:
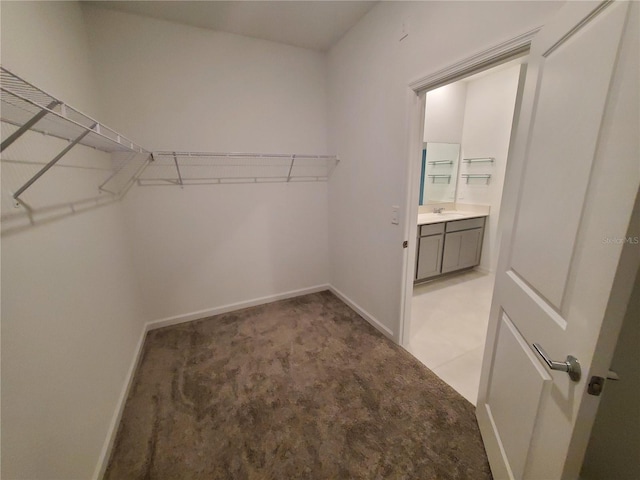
x=479 y=160
x=470 y=176
x=175 y=160
x=29 y=108
x=440 y=178
x=293 y=160
x=28 y=125
x=55 y=160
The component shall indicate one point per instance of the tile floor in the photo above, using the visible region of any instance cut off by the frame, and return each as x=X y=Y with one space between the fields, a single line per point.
x=449 y=319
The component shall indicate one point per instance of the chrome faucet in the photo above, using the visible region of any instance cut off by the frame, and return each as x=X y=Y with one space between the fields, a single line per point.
x=438 y=210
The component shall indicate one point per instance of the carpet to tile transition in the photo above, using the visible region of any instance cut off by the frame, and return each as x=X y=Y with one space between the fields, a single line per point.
x=301 y=388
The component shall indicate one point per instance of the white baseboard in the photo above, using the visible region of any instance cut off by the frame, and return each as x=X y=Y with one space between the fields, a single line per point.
x=363 y=313
x=103 y=460
x=210 y=312
x=483 y=269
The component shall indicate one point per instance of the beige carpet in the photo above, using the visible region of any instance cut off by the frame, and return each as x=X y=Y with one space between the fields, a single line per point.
x=298 y=389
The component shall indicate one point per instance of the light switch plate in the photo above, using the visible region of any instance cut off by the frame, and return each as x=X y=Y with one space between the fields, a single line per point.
x=395 y=215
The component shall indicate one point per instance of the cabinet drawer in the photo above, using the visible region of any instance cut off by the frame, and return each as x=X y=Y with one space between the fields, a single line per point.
x=466 y=224
x=431 y=229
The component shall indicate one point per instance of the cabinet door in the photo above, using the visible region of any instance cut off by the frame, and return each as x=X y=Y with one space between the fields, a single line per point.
x=429 y=256
x=462 y=250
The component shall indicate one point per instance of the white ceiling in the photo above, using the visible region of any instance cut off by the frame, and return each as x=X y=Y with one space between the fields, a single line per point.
x=316 y=25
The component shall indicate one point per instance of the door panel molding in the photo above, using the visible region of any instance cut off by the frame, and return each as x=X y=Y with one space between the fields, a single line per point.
x=577 y=28
x=537 y=298
x=518 y=382
x=493 y=445
x=573 y=91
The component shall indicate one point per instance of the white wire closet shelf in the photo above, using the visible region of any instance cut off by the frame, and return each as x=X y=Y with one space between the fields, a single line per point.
x=27 y=108
x=31 y=109
x=21 y=101
x=202 y=168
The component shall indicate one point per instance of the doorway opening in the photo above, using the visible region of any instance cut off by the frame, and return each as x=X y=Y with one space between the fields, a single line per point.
x=465 y=144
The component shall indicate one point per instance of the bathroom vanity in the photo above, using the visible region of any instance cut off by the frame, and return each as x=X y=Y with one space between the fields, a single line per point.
x=447 y=242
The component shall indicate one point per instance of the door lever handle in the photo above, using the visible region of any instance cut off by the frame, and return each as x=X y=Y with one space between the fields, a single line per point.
x=570 y=365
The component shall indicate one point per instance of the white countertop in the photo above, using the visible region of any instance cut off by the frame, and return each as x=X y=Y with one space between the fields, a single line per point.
x=447 y=216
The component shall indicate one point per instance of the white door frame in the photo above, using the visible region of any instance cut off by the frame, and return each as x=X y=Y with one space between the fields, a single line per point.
x=513 y=48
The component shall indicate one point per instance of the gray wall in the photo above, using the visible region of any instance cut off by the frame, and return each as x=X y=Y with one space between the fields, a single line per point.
x=614 y=447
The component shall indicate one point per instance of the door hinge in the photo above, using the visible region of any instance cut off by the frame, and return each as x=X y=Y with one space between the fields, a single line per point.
x=405 y=244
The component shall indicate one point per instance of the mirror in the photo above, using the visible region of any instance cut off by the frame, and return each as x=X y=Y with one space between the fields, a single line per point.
x=439 y=175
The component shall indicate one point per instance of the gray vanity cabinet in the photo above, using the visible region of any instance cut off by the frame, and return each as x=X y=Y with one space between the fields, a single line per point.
x=448 y=246
x=429 y=254
x=463 y=244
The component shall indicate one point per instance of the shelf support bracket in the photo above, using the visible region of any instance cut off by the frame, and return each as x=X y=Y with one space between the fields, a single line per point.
x=35 y=119
x=293 y=159
x=52 y=162
x=175 y=160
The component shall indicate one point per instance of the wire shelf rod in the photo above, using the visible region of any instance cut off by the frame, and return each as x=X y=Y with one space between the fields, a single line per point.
x=205 y=165
x=225 y=180
x=479 y=160
x=239 y=154
x=42 y=164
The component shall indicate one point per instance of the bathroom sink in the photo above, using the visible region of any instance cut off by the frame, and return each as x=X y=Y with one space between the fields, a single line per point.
x=450 y=214
x=445 y=216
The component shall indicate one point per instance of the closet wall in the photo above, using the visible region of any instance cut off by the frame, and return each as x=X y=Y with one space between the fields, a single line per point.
x=175 y=87
x=615 y=438
x=71 y=316
x=369 y=113
x=77 y=291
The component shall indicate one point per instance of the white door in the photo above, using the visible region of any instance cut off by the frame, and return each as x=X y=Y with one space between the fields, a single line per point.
x=569 y=194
